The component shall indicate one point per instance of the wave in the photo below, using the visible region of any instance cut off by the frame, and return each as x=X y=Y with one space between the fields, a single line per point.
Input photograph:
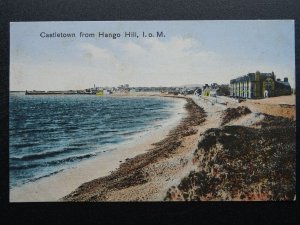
x=54 y=162
x=131 y=132
x=105 y=132
x=108 y=131
x=80 y=144
x=23 y=145
x=47 y=175
x=71 y=159
x=22 y=167
x=38 y=130
x=44 y=154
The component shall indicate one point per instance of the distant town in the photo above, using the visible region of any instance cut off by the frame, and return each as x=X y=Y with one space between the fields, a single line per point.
x=252 y=85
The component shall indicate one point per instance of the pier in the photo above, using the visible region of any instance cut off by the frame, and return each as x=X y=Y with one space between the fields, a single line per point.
x=59 y=93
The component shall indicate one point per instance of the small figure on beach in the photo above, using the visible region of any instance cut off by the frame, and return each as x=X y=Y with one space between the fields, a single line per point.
x=266 y=94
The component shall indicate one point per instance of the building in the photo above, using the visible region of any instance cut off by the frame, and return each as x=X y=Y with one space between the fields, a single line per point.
x=259 y=85
x=198 y=92
x=205 y=90
x=215 y=90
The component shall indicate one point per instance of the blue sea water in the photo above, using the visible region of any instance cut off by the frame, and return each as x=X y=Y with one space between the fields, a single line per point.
x=48 y=134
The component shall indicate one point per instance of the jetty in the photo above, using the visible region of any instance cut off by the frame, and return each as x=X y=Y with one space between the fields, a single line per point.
x=71 y=92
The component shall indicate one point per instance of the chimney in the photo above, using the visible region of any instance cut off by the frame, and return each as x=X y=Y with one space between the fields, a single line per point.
x=286 y=79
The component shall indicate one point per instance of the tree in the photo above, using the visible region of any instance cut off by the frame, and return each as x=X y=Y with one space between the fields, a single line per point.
x=224 y=89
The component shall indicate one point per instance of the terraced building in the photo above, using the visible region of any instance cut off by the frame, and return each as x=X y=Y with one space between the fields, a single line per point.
x=259 y=85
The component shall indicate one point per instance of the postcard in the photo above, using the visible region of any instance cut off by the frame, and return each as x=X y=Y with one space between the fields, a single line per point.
x=152 y=111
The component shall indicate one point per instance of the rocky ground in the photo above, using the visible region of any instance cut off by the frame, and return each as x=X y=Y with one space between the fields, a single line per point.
x=234 y=113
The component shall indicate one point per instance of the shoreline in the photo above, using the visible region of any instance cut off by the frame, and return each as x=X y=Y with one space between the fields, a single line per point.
x=56 y=186
x=148 y=176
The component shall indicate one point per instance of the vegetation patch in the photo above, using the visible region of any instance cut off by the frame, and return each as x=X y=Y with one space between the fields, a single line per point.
x=234 y=113
x=242 y=163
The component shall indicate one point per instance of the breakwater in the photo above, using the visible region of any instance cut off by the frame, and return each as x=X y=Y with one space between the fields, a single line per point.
x=58 y=93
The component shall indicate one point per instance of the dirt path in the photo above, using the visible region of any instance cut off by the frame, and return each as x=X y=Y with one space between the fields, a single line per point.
x=278 y=106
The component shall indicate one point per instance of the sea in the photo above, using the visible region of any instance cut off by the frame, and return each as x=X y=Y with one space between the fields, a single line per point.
x=52 y=133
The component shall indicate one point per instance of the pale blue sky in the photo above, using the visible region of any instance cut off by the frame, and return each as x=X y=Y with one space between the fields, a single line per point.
x=192 y=52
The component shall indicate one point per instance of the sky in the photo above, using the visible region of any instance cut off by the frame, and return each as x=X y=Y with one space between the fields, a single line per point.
x=191 y=52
